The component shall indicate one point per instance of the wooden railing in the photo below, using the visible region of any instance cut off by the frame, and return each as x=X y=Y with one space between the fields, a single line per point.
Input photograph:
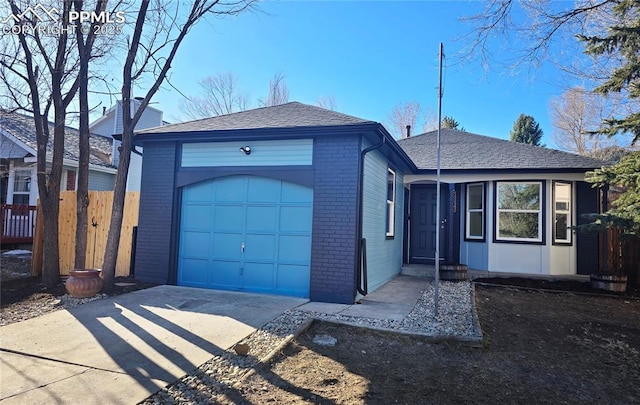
x=18 y=223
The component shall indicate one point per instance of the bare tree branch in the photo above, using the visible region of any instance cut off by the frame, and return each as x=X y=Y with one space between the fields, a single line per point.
x=278 y=92
x=220 y=96
x=401 y=116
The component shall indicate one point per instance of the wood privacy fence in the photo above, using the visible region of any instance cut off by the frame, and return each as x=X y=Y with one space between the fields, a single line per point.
x=623 y=255
x=99 y=213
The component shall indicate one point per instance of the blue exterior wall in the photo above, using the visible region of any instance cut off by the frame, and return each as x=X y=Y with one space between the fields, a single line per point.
x=384 y=254
x=475 y=254
x=334 y=234
x=100 y=181
x=155 y=222
x=333 y=250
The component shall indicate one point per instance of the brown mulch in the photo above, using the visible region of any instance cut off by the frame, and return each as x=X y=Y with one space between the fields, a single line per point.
x=23 y=297
x=633 y=291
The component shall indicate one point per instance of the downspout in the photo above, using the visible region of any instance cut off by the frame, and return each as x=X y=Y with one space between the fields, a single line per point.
x=361 y=261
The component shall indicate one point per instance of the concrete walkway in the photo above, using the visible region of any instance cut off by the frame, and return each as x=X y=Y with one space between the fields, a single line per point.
x=393 y=301
x=119 y=350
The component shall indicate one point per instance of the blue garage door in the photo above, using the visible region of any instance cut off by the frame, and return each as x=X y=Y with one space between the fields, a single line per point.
x=246 y=233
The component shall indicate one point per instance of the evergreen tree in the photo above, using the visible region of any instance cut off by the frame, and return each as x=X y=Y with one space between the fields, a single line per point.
x=621 y=42
x=451 y=123
x=526 y=130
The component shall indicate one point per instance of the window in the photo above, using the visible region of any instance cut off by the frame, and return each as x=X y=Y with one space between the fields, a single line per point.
x=21 y=187
x=391 y=202
x=519 y=211
x=562 y=213
x=475 y=212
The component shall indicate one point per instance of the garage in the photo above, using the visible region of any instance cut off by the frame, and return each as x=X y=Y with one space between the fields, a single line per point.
x=246 y=233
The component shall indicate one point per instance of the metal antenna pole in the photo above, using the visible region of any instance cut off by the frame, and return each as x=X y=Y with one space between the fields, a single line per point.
x=437 y=258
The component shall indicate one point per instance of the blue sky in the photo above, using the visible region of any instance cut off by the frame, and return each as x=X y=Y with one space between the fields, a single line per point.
x=368 y=56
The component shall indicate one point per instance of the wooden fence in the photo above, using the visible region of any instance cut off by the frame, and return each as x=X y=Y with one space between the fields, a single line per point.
x=623 y=255
x=99 y=213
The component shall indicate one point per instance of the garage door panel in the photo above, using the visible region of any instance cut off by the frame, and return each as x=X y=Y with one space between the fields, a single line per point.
x=261 y=218
x=226 y=246
x=260 y=247
x=263 y=190
x=200 y=192
x=225 y=274
x=294 y=193
x=259 y=276
x=231 y=189
x=228 y=217
x=195 y=244
x=294 y=248
x=293 y=280
x=295 y=219
x=194 y=272
x=197 y=216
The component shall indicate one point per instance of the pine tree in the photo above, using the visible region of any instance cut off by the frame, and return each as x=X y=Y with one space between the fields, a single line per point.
x=622 y=42
x=526 y=130
x=451 y=123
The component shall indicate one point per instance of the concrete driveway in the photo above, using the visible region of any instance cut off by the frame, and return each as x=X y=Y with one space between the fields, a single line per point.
x=122 y=349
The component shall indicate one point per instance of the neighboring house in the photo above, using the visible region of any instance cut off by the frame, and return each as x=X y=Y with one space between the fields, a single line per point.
x=18 y=159
x=18 y=143
x=299 y=200
x=110 y=123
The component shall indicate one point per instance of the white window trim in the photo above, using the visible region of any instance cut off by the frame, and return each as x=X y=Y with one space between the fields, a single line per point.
x=471 y=210
x=568 y=213
x=391 y=205
x=538 y=211
x=13 y=182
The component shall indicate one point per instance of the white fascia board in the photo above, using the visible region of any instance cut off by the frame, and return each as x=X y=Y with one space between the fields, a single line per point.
x=472 y=178
x=18 y=142
x=103 y=117
x=95 y=168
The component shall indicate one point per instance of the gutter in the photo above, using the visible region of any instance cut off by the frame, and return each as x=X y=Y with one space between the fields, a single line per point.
x=361 y=260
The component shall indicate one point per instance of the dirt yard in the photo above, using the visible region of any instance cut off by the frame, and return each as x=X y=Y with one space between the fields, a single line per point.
x=540 y=347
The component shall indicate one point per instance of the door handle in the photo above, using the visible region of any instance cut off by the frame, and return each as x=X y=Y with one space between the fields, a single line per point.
x=242 y=247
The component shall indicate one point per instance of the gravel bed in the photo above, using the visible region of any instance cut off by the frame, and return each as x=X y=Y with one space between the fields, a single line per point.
x=456 y=319
x=30 y=309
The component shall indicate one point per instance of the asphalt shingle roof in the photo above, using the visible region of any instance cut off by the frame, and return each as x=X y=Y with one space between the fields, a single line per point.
x=460 y=150
x=289 y=115
x=23 y=128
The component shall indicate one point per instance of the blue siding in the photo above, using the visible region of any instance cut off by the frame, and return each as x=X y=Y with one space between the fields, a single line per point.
x=384 y=255
x=263 y=153
x=475 y=254
x=100 y=181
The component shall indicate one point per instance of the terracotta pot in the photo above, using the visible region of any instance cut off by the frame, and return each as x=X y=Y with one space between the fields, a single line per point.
x=84 y=283
x=609 y=282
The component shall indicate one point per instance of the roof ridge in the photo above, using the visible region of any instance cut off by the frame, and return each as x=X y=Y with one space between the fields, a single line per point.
x=263 y=108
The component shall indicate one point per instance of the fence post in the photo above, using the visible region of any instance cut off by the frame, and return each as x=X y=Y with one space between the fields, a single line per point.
x=37 y=253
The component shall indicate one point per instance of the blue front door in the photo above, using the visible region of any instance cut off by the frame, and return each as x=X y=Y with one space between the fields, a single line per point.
x=246 y=233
